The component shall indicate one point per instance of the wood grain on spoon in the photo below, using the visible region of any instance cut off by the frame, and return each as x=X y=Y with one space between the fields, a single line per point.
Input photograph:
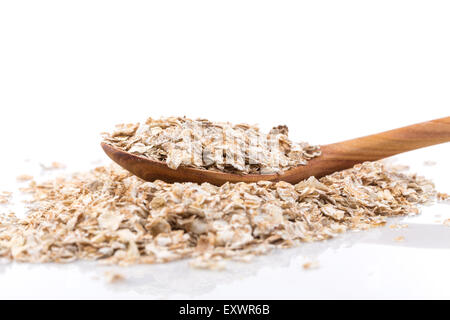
x=335 y=157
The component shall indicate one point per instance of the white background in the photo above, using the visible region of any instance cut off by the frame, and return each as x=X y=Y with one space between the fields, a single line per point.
x=330 y=70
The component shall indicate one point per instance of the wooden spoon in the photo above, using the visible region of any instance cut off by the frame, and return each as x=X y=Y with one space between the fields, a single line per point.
x=335 y=157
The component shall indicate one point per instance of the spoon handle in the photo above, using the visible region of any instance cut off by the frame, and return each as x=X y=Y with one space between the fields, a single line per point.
x=389 y=143
x=344 y=155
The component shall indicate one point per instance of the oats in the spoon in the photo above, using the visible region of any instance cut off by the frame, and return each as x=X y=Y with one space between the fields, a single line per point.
x=219 y=146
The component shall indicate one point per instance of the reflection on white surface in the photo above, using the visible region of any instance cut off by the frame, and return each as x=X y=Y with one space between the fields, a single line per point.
x=367 y=264
x=357 y=265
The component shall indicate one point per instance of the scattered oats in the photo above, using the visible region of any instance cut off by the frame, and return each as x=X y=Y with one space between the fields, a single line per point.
x=429 y=163
x=207 y=264
x=399 y=238
x=114 y=277
x=310 y=265
x=24 y=177
x=399 y=167
x=109 y=215
x=53 y=166
x=245 y=258
x=110 y=220
x=219 y=146
x=398 y=226
x=5 y=196
x=443 y=196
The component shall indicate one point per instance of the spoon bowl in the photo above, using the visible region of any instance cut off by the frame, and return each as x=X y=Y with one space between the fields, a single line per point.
x=334 y=157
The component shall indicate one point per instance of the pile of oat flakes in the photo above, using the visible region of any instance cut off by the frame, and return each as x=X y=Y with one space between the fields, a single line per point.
x=219 y=146
x=110 y=215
